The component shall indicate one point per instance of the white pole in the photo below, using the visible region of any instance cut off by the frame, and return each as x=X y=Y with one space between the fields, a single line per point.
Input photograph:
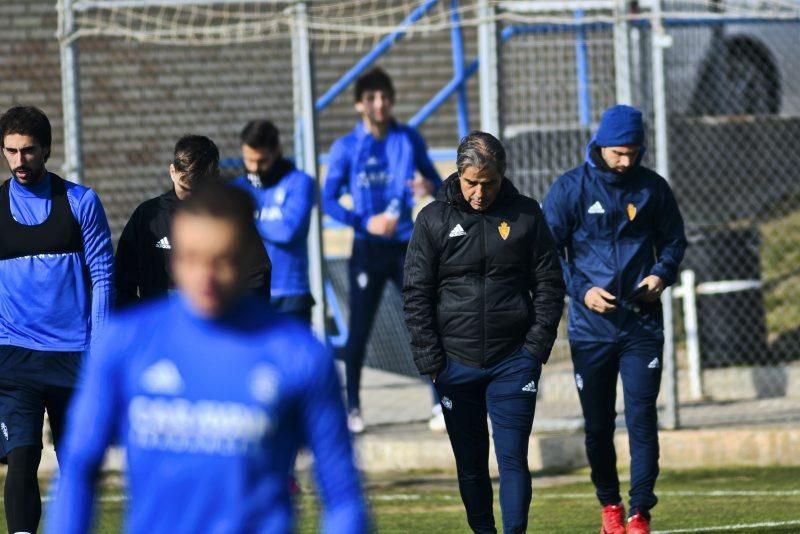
x=307 y=122
x=622 y=62
x=688 y=283
x=488 y=69
x=70 y=95
x=660 y=40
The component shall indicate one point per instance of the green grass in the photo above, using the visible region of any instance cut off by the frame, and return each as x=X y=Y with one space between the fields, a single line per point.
x=780 y=259
x=429 y=502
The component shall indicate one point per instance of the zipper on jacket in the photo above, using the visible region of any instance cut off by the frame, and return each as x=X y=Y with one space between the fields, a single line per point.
x=619 y=294
x=483 y=291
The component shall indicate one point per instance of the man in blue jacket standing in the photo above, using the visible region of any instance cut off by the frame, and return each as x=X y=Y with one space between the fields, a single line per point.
x=56 y=286
x=284 y=196
x=212 y=393
x=376 y=164
x=621 y=235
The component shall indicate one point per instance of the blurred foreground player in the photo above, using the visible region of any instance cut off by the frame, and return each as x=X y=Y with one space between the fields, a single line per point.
x=56 y=268
x=212 y=393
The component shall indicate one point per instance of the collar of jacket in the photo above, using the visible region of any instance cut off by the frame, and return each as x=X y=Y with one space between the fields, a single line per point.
x=597 y=166
x=275 y=174
x=450 y=192
x=169 y=199
x=361 y=132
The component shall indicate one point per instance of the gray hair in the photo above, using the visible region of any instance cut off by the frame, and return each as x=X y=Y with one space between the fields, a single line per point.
x=479 y=150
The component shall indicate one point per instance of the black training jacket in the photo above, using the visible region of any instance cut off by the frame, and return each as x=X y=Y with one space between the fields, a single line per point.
x=141 y=264
x=480 y=285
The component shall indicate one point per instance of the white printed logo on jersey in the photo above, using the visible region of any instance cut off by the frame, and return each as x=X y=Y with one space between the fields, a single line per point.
x=597 y=208
x=162 y=378
x=655 y=364
x=530 y=386
x=163 y=243
x=4 y=428
x=362 y=280
x=180 y=425
x=579 y=381
x=279 y=196
x=273 y=213
x=457 y=231
x=447 y=403
x=264 y=384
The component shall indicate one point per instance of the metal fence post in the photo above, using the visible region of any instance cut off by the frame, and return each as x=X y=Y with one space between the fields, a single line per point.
x=306 y=122
x=622 y=63
x=692 y=334
x=488 y=69
x=658 y=41
x=70 y=94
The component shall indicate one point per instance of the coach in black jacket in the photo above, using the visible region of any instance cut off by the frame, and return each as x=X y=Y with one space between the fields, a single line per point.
x=141 y=264
x=483 y=294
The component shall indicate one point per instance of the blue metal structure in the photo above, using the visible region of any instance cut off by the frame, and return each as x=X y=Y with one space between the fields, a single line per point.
x=381 y=48
x=582 y=72
x=457 y=40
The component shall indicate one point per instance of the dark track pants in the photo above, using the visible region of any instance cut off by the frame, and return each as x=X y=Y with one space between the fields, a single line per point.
x=639 y=363
x=507 y=392
x=371 y=265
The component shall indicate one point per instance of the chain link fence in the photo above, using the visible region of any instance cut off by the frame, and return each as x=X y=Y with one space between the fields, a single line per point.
x=731 y=89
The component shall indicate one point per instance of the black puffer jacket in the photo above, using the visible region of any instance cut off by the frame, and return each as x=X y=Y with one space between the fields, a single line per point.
x=479 y=285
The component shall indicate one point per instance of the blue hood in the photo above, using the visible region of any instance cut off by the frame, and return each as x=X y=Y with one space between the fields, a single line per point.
x=620 y=126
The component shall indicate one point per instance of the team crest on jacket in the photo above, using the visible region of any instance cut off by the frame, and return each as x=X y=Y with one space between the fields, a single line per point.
x=631 y=211
x=504 y=230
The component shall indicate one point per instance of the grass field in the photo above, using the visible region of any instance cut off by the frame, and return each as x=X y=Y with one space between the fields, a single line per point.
x=748 y=500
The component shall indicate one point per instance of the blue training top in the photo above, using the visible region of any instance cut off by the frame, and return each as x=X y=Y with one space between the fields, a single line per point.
x=283 y=213
x=613 y=231
x=376 y=173
x=212 y=413
x=53 y=302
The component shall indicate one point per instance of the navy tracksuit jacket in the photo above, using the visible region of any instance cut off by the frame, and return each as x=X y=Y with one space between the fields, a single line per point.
x=613 y=231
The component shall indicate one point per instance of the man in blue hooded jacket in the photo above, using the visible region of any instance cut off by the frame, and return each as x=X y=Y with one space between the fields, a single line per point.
x=621 y=236
x=376 y=164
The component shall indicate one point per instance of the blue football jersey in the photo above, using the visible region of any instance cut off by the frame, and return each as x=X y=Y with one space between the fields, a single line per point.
x=212 y=413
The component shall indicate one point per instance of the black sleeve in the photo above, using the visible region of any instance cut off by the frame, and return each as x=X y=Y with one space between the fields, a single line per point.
x=420 y=282
x=127 y=277
x=548 y=289
x=259 y=276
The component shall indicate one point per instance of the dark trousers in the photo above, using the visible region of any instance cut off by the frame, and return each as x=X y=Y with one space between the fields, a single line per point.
x=371 y=265
x=596 y=368
x=507 y=393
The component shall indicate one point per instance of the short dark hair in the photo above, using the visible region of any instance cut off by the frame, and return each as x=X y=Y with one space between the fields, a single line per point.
x=479 y=150
x=375 y=79
x=197 y=157
x=260 y=133
x=223 y=201
x=26 y=120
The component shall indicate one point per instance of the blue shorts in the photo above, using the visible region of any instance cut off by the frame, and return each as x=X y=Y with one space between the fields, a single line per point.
x=32 y=381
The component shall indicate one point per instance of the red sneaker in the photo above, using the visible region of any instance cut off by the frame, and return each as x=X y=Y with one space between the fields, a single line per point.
x=638 y=524
x=613 y=519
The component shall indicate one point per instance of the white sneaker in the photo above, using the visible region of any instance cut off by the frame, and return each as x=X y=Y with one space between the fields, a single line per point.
x=354 y=422
x=436 y=422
